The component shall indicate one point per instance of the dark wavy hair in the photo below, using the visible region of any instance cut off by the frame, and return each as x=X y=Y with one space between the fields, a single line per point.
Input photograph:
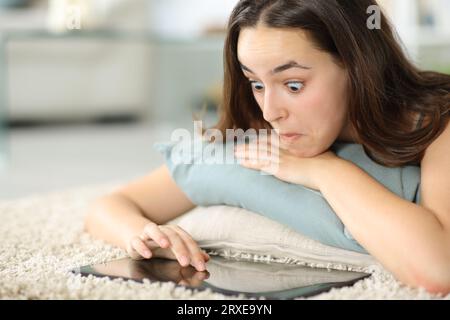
x=385 y=89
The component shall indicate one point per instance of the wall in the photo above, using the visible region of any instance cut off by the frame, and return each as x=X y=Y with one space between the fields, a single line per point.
x=73 y=79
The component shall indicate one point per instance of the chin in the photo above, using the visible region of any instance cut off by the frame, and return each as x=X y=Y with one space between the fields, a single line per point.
x=300 y=152
x=304 y=154
x=303 y=151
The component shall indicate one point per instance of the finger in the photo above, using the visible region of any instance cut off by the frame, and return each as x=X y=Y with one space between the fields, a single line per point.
x=178 y=246
x=153 y=231
x=200 y=276
x=139 y=246
x=197 y=279
x=193 y=276
x=197 y=257
x=261 y=144
x=133 y=253
x=159 y=252
x=255 y=153
x=184 y=283
x=265 y=146
x=188 y=272
x=257 y=159
x=206 y=255
x=203 y=275
x=255 y=164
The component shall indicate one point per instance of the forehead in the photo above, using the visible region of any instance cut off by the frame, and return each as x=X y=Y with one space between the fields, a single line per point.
x=265 y=43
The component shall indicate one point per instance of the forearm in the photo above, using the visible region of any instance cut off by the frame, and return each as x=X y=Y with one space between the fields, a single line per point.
x=406 y=238
x=114 y=219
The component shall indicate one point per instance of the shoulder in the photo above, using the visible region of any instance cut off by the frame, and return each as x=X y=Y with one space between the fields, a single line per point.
x=435 y=176
x=439 y=145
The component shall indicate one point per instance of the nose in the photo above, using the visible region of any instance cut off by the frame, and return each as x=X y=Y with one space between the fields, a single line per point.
x=272 y=110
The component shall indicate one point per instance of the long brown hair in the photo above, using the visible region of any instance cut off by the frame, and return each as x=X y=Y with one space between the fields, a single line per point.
x=385 y=88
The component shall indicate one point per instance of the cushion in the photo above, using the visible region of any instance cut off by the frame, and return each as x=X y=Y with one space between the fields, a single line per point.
x=204 y=173
x=246 y=276
x=238 y=233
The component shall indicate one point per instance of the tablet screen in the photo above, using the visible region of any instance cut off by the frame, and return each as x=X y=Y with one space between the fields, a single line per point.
x=230 y=277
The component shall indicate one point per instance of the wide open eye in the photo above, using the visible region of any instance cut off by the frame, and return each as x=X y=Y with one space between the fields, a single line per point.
x=294 y=86
x=257 y=86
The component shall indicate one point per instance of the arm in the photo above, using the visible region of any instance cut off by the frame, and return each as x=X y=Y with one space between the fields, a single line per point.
x=410 y=240
x=119 y=216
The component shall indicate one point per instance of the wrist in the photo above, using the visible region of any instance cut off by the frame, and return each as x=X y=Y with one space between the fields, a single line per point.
x=325 y=172
x=135 y=228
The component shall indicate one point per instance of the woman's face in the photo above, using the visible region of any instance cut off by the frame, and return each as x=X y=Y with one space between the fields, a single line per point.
x=301 y=91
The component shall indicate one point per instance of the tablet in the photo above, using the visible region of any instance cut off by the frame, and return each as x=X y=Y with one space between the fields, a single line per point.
x=230 y=277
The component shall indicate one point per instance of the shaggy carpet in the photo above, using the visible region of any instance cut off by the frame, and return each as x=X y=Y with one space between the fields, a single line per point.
x=42 y=239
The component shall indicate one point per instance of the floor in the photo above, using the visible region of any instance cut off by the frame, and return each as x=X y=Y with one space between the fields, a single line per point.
x=51 y=158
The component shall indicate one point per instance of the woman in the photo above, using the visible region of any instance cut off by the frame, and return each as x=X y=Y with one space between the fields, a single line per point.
x=314 y=71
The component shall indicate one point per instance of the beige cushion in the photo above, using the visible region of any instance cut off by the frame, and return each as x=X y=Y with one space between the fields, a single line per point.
x=236 y=232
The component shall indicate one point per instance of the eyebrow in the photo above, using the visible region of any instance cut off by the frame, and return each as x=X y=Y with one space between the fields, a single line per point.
x=283 y=67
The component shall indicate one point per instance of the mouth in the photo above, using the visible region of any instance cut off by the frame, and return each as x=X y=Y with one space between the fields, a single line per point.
x=290 y=137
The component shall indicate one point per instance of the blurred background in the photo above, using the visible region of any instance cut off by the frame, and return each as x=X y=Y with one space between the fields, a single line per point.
x=88 y=86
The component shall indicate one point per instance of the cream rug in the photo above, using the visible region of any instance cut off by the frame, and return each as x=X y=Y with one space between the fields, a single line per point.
x=42 y=239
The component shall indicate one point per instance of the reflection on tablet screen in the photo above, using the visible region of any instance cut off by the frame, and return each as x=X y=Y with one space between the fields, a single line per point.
x=231 y=277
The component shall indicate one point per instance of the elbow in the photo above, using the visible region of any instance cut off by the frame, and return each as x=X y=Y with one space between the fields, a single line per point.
x=89 y=218
x=435 y=287
x=435 y=278
x=92 y=216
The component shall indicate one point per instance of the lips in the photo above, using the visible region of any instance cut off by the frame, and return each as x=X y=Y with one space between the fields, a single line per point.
x=289 y=135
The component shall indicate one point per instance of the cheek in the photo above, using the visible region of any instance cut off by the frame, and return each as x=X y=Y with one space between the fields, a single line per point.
x=336 y=103
x=320 y=108
x=259 y=98
x=310 y=107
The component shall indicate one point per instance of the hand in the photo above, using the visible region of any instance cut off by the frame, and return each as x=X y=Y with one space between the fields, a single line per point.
x=166 y=270
x=283 y=164
x=186 y=276
x=167 y=241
